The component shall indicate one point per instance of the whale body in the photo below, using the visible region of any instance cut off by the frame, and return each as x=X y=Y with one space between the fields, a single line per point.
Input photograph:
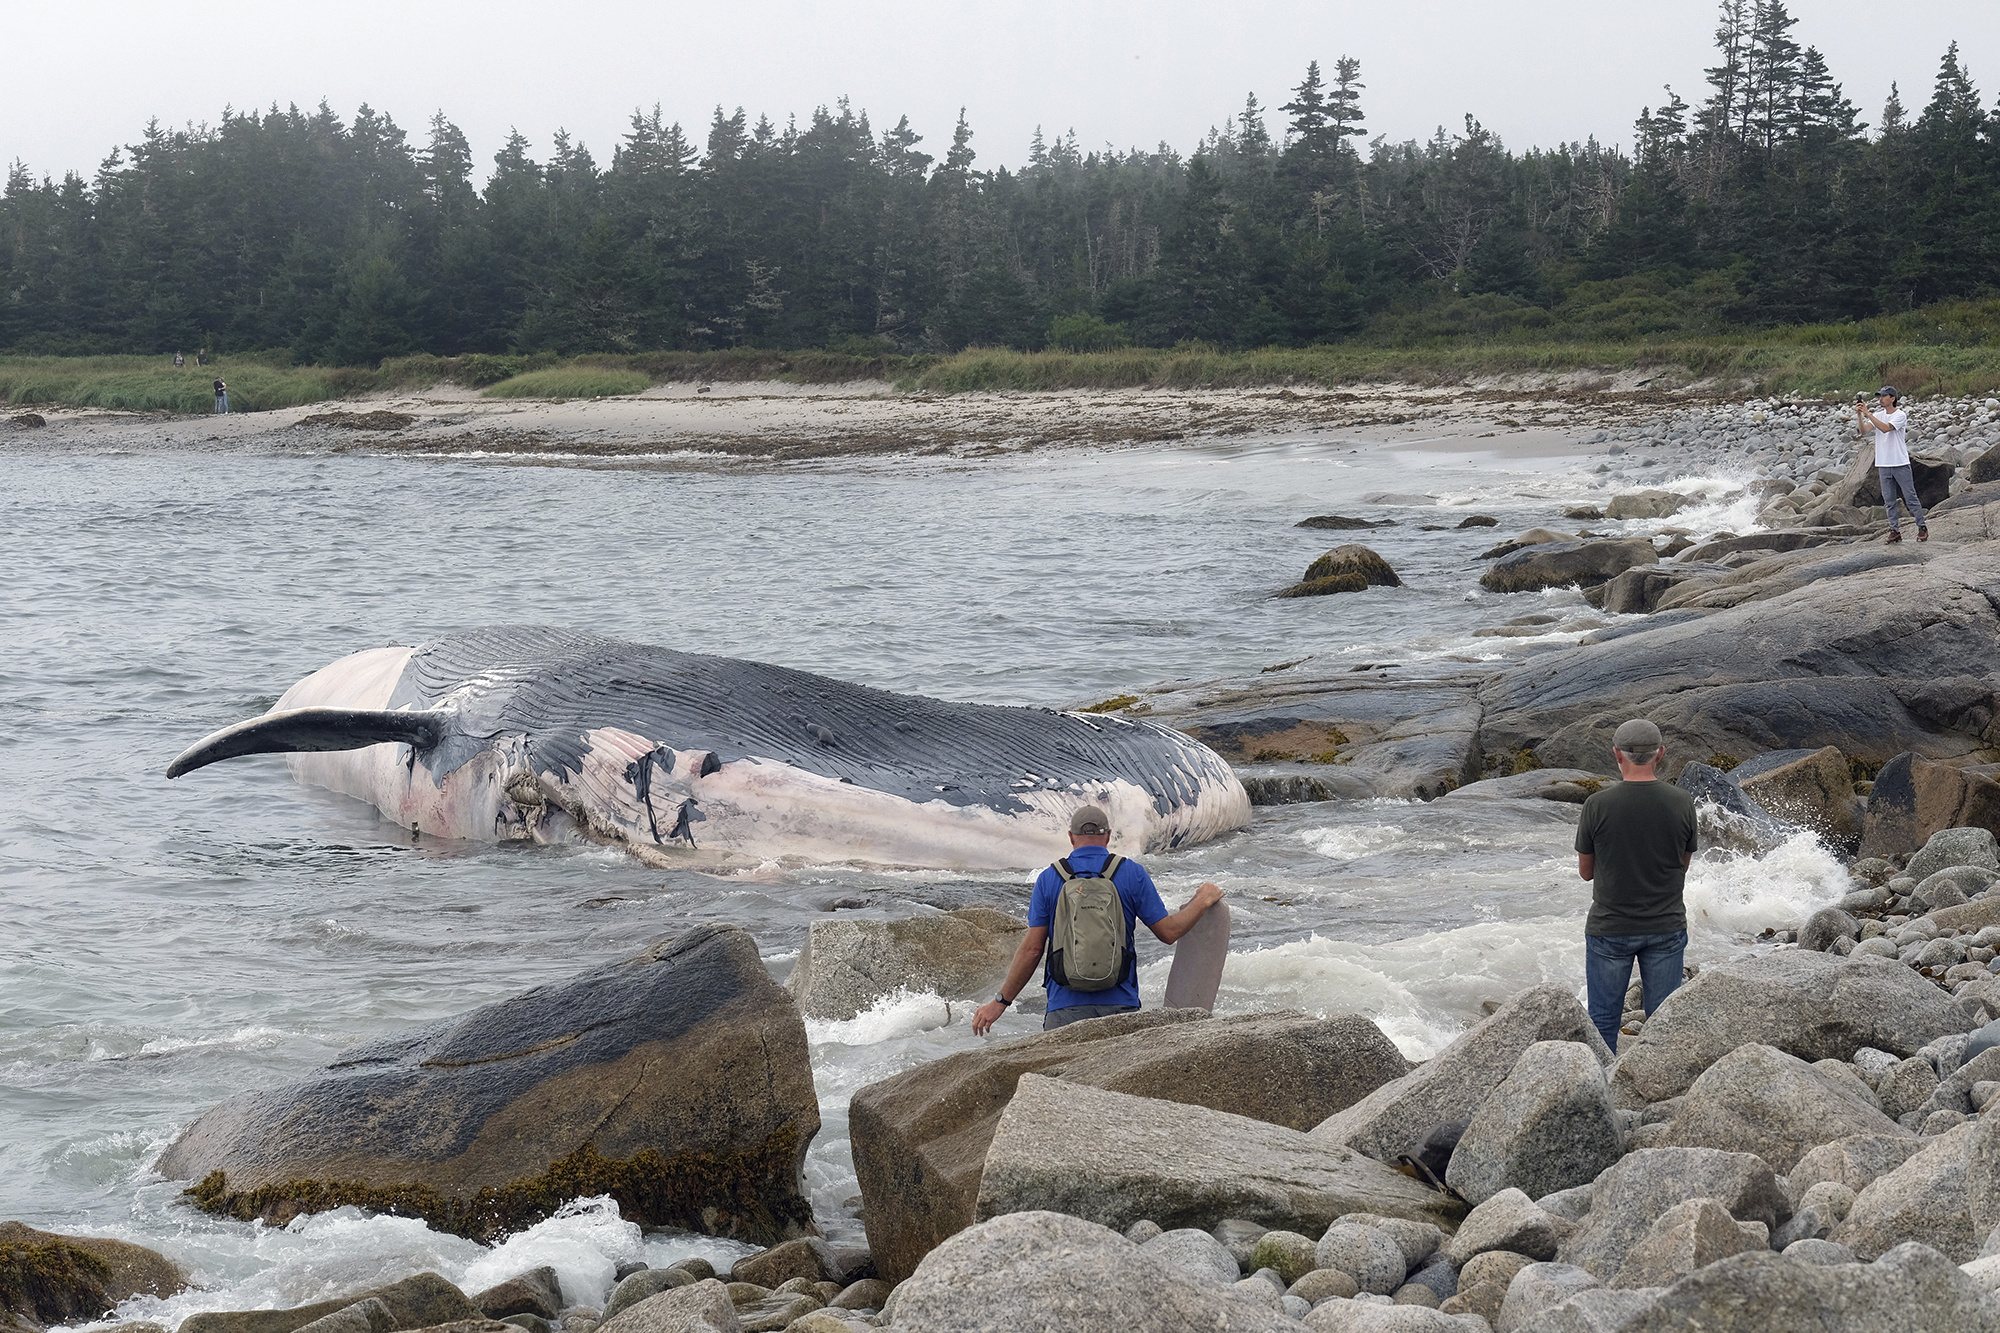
x=527 y=733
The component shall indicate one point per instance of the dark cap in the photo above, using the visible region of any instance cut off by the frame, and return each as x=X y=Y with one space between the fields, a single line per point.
x=1637 y=734
x=1089 y=821
x=1887 y=391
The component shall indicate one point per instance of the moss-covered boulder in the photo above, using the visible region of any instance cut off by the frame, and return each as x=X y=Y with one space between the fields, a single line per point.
x=1344 y=569
x=46 y=1278
x=675 y=1080
x=1330 y=584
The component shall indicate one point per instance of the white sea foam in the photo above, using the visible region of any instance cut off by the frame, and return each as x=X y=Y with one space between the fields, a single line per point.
x=584 y=1242
x=1422 y=991
x=1350 y=842
x=245 y=1266
x=1733 y=893
x=900 y=1013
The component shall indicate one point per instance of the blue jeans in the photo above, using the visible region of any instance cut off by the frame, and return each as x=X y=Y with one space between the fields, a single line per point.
x=222 y=402
x=1607 y=971
x=1896 y=479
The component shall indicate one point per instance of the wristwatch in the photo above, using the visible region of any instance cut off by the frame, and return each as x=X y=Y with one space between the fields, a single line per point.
x=1003 y=1001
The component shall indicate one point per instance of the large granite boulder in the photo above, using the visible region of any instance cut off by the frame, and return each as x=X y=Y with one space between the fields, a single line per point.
x=1641 y=589
x=676 y=1080
x=1046 y=1270
x=1726 y=816
x=1814 y=791
x=1549 y=1126
x=1757 y=1099
x=1982 y=1175
x=1449 y=1088
x=1914 y=798
x=1853 y=1162
x=422 y=1301
x=1815 y=1006
x=1116 y=1159
x=537 y=1292
x=1648 y=504
x=1575 y=564
x=1830 y=646
x=1628 y=1198
x=1861 y=488
x=47 y=1278
x=1909 y=1290
x=697 y=1307
x=1955 y=847
x=847 y=965
x=1535 y=1289
x=1508 y=1223
x=1925 y=1199
x=1690 y=1235
x=920 y=1137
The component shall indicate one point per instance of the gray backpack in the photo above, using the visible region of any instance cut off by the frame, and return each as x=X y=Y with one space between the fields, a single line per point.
x=1089 y=948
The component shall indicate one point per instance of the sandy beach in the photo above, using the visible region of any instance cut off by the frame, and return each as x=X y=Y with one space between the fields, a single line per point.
x=791 y=422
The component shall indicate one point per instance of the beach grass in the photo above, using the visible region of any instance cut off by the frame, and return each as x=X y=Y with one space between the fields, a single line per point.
x=572 y=381
x=1807 y=370
x=148 y=384
x=1949 y=349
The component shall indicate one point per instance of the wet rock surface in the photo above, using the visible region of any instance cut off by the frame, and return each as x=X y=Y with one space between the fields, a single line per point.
x=677 y=1079
x=921 y=1138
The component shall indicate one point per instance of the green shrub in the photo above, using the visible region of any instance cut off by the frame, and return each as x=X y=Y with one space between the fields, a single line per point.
x=1085 y=332
x=572 y=381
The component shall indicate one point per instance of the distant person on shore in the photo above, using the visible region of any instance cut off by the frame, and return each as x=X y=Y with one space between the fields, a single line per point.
x=1081 y=875
x=1633 y=843
x=1892 y=459
x=221 y=397
x=201 y=356
x=179 y=360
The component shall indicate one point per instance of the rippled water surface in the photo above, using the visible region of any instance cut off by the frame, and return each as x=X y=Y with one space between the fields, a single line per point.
x=167 y=945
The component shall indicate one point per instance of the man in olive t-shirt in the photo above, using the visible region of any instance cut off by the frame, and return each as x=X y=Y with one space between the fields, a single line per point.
x=1633 y=843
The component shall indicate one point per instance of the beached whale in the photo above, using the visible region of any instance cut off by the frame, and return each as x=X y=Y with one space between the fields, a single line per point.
x=527 y=733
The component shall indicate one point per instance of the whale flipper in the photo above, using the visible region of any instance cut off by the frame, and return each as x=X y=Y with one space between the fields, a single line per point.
x=298 y=729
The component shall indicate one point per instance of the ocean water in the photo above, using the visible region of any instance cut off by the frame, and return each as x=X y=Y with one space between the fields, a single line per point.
x=169 y=944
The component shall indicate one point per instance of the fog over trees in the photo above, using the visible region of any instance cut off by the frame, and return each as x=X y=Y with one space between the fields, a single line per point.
x=1771 y=199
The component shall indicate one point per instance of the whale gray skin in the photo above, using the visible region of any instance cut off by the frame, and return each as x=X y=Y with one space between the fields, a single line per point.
x=527 y=733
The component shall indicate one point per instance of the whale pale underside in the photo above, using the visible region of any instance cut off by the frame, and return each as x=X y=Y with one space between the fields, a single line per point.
x=526 y=733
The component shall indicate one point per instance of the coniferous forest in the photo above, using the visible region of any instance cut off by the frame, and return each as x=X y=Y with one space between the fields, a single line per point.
x=1770 y=200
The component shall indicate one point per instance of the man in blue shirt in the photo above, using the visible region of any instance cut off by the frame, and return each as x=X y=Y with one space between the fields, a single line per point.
x=1090 y=839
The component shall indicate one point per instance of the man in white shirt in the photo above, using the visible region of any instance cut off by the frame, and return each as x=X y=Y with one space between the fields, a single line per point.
x=1892 y=459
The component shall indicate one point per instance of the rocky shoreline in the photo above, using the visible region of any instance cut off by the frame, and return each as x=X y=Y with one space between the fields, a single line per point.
x=1799 y=1139
x=1802 y=1139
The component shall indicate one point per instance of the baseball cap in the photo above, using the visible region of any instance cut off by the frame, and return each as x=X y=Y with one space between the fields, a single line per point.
x=1637 y=734
x=1887 y=391
x=1090 y=820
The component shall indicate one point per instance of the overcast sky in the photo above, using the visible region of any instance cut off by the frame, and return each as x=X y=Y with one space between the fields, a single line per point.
x=82 y=79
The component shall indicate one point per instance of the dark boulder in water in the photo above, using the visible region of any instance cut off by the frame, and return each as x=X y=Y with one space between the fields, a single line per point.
x=1327 y=585
x=1341 y=523
x=675 y=1080
x=1565 y=564
x=1344 y=569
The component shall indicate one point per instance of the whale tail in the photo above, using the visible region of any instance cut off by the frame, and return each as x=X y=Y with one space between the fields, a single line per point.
x=297 y=729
